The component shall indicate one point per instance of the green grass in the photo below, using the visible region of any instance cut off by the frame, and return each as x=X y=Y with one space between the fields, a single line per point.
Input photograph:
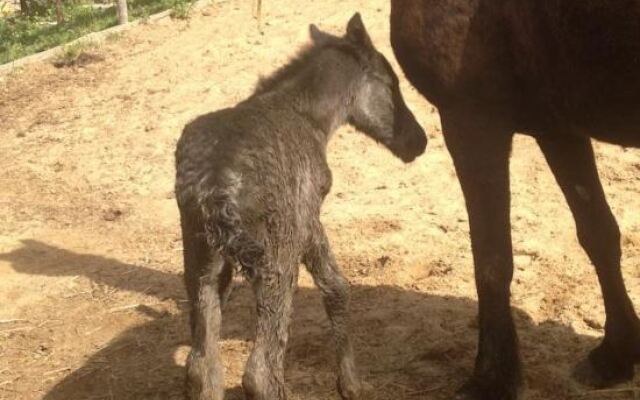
x=70 y=53
x=22 y=36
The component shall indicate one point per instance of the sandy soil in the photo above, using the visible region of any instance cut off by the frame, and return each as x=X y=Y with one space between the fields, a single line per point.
x=91 y=298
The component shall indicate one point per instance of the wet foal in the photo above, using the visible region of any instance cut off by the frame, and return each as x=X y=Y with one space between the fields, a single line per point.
x=250 y=183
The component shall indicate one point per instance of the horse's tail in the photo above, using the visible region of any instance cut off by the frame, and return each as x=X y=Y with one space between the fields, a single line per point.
x=226 y=233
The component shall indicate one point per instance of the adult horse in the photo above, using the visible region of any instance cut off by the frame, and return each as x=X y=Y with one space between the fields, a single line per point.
x=563 y=71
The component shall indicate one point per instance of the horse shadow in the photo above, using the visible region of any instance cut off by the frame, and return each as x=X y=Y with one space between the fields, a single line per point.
x=409 y=344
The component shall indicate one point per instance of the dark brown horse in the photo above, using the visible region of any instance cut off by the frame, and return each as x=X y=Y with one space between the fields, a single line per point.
x=564 y=71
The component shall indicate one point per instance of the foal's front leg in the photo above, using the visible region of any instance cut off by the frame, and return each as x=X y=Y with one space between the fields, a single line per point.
x=274 y=286
x=480 y=150
x=335 y=292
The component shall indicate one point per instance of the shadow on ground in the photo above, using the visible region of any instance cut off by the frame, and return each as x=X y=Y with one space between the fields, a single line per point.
x=409 y=344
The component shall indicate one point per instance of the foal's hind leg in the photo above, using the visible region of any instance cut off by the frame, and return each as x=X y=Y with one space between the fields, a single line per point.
x=335 y=292
x=572 y=161
x=274 y=286
x=225 y=282
x=202 y=270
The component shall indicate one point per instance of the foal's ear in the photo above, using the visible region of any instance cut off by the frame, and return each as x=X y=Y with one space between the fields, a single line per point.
x=317 y=36
x=357 y=33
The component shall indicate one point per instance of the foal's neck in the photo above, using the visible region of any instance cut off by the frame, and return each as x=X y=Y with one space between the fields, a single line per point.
x=325 y=108
x=323 y=95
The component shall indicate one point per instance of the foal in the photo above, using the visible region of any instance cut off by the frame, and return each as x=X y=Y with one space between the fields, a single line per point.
x=250 y=183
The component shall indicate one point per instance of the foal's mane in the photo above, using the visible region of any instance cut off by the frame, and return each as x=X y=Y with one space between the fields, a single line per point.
x=299 y=61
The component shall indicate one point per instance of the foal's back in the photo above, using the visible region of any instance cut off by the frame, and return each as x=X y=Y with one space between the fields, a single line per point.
x=261 y=153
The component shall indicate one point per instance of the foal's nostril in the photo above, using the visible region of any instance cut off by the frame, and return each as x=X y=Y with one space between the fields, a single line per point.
x=421 y=140
x=418 y=141
x=409 y=140
x=410 y=147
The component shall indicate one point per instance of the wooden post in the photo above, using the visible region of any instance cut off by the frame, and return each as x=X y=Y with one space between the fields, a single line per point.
x=258 y=14
x=24 y=7
x=123 y=14
x=59 y=13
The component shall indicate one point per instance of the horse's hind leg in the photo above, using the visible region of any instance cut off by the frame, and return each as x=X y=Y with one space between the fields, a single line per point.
x=274 y=285
x=335 y=292
x=202 y=271
x=572 y=161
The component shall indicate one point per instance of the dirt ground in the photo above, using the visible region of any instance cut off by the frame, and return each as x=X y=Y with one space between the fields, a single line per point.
x=92 y=304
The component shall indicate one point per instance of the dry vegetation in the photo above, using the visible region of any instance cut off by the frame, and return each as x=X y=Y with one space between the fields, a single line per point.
x=91 y=298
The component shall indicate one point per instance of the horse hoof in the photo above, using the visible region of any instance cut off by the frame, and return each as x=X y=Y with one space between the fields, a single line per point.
x=598 y=372
x=473 y=390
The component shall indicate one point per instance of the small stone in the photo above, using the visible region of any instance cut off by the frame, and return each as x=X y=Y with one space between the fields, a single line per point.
x=111 y=214
x=180 y=355
x=522 y=260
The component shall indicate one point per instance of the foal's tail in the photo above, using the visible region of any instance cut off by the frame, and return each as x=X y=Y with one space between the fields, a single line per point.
x=226 y=234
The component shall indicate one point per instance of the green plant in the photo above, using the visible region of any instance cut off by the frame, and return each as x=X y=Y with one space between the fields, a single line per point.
x=71 y=53
x=144 y=15
x=181 y=9
x=21 y=35
x=114 y=36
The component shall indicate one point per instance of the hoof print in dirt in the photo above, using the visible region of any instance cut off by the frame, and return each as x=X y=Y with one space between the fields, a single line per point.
x=112 y=214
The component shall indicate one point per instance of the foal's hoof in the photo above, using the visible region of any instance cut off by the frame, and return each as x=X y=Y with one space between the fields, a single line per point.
x=476 y=390
x=349 y=391
x=203 y=380
x=601 y=370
